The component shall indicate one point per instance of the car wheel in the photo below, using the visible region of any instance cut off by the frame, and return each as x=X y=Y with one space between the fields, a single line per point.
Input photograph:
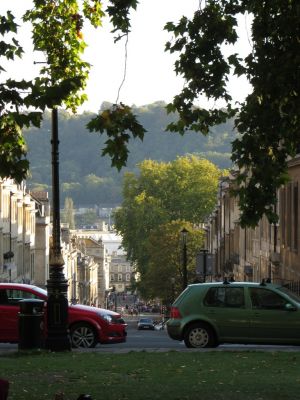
x=83 y=335
x=199 y=336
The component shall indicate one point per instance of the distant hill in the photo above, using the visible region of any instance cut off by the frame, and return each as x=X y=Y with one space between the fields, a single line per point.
x=89 y=179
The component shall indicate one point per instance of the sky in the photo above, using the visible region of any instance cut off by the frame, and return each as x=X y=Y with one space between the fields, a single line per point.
x=150 y=72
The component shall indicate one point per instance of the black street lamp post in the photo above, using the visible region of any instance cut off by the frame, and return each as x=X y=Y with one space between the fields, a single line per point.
x=116 y=301
x=57 y=304
x=173 y=288
x=204 y=252
x=184 y=233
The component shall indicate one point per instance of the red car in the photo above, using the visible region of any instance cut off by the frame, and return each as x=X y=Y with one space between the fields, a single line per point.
x=88 y=325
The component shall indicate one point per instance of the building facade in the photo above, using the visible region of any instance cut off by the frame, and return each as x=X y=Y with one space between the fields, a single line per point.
x=121 y=273
x=42 y=238
x=21 y=216
x=25 y=236
x=268 y=251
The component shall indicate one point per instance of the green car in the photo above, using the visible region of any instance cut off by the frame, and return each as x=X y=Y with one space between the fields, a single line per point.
x=209 y=314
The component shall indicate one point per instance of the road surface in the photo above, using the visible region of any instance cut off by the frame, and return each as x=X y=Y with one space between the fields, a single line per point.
x=157 y=341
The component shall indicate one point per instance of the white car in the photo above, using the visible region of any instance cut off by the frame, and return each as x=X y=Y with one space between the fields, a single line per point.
x=145 y=323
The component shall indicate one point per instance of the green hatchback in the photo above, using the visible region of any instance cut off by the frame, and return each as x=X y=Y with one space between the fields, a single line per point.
x=208 y=314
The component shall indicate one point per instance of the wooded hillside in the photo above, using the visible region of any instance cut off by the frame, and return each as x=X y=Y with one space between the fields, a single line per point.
x=89 y=179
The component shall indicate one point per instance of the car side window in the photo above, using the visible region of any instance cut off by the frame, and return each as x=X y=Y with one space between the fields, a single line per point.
x=214 y=298
x=266 y=299
x=3 y=297
x=14 y=296
x=225 y=297
x=235 y=297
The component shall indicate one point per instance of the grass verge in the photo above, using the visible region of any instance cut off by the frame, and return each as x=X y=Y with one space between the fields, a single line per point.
x=142 y=375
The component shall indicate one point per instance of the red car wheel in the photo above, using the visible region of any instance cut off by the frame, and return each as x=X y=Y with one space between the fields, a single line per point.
x=83 y=335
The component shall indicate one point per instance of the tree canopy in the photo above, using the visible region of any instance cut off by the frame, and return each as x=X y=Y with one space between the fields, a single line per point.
x=268 y=120
x=162 y=193
x=163 y=277
x=57 y=34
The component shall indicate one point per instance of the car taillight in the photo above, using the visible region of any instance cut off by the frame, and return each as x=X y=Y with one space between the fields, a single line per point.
x=175 y=313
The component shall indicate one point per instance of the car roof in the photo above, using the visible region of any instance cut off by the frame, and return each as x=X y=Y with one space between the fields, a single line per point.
x=230 y=284
x=13 y=285
x=17 y=284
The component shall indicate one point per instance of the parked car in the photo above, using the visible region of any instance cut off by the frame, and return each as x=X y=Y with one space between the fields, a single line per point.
x=87 y=325
x=145 y=323
x=208 y=314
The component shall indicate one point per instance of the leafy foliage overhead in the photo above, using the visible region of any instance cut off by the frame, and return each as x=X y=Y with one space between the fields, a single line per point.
x=12 y=120
x=57 y=33
x=268 y=120
x=117 y=122
x=119 y=15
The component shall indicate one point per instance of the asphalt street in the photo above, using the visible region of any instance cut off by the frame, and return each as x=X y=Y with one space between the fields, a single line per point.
x=158 y=341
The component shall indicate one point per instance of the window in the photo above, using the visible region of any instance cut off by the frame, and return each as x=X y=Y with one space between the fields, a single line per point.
x=3 y=297
x=295 y=216
x=120 y=278
x=289 y=215
x=13 y=209
x=14 y=296
x=20 y=215
x=266 y=299
x=32 y=266
x=5 y=205
x=225 y=297
x=112 y=277
x=127 y=277
x=283 y=214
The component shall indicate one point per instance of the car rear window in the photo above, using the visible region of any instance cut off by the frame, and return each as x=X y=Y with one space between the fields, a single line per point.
x=183 y=294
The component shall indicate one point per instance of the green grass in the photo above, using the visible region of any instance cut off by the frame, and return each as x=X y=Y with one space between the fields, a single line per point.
x=142 y=375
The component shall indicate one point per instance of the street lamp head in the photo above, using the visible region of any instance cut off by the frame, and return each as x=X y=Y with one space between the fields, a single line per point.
x=8 y=254
x=184 y=233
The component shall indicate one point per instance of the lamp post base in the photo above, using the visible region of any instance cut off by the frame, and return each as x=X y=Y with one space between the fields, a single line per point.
x=58 y=338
